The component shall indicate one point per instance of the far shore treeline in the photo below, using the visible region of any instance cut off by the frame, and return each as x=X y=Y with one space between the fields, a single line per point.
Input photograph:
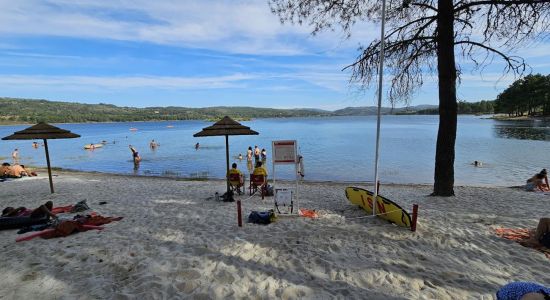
x=17 y=111
x=529 y=95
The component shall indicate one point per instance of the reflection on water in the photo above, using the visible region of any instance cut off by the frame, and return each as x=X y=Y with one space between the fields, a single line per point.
x=536 y=130
x=249 y=166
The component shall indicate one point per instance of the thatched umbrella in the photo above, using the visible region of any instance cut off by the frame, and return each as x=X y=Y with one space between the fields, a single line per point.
x=227 y=127
x=43 y=131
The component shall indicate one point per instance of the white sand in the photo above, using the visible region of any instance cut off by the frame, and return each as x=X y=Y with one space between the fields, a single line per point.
x=176 y=242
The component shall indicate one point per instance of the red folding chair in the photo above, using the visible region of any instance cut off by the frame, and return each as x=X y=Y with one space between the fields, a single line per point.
x=258 y=181
x=236 y=181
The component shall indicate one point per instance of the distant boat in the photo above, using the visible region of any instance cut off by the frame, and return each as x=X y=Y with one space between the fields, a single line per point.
x=133 y=129
x=170 y=126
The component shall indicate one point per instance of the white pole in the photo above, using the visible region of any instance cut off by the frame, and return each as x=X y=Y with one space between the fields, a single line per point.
x=380 y=80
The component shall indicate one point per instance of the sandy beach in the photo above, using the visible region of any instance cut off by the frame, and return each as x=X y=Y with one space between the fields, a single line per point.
x=177 y=242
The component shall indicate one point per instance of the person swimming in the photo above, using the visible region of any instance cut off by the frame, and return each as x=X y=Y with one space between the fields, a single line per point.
x=240 y=156
x=477 y=163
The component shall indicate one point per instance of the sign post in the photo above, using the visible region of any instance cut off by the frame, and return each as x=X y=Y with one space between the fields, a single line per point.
x=285 y=153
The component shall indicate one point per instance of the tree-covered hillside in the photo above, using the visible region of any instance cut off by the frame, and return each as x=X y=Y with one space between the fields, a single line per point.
x=14 y=110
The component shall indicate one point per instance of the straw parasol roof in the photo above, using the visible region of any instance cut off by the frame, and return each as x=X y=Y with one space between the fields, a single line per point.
x=226 y=127
x=44 y=132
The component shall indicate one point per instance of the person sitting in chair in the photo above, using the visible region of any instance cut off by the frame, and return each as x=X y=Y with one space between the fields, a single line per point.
x=259 y=169
x=234 y=170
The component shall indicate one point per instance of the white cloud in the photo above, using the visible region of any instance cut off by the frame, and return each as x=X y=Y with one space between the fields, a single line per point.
x=127 y=82
x=239 y=26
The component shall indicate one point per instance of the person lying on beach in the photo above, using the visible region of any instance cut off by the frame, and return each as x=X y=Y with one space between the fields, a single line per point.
x=18 y=171
x=538 y=182
x=4 y=169
x=42 y=211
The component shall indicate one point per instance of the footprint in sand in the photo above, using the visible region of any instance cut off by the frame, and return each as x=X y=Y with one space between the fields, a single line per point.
x=187 y=287
x=189 y=274
x=29 y=276
x=225 y=277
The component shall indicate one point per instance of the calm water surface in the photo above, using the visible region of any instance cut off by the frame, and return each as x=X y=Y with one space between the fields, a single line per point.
x=336 y=149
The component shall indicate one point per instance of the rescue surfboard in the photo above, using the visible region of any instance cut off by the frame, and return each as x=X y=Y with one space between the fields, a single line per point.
x=387 y=209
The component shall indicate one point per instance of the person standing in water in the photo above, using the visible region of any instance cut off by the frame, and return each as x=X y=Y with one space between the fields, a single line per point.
x=256 y=154
x=135 y=155
x=153 y=145
x=264 y=155
x=197 y=145
x=249 y=154
x=15 y=156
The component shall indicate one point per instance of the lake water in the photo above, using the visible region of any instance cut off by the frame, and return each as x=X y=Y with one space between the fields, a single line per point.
x=334 y=149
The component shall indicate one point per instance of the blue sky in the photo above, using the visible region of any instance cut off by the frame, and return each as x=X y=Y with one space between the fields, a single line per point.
x=195 y=54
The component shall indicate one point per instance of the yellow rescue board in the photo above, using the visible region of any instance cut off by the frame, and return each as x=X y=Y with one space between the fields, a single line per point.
x=387 y=209
x=92 y=146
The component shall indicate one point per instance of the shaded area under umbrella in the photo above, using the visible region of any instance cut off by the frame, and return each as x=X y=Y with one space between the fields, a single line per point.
x=44 y=132
x=226 y=127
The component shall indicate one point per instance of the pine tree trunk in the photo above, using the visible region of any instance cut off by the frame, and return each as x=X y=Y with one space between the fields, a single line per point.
x=446 y=136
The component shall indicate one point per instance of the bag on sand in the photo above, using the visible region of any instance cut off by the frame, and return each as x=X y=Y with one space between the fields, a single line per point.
x=228 y=197
x=261 y=217
x=545 y=240
x=269 y=190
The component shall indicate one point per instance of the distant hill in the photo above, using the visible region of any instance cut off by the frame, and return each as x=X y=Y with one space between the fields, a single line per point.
x=16 y=111
x=373 y=110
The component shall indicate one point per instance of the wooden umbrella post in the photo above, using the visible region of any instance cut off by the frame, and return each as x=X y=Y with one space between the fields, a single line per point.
x=227 y=163
x=48 y=162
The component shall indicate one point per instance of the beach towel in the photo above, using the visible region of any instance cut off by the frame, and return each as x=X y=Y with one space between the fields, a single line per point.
x=68 y=227
x=308 y=213
x=95 y=219
x=78 y=207
x=520 y=236
x=62 y=209
x=62 y=229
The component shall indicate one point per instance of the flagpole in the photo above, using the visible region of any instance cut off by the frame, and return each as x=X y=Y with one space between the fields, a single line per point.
x=380 y=80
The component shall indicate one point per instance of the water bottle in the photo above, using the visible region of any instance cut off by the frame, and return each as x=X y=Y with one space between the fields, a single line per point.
x=217 y=196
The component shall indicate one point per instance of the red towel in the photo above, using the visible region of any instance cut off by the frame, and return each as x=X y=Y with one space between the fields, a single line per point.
x=520 y=236
x=62 y=209
x=308 y=213
x=64 y=228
